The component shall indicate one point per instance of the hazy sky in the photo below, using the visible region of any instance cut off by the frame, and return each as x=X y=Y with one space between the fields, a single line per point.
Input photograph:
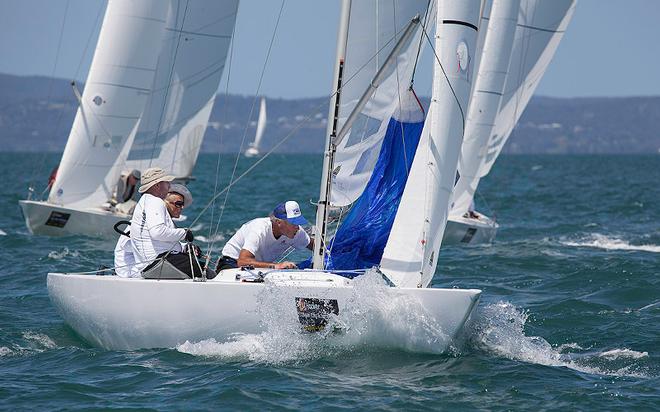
x=611 y=47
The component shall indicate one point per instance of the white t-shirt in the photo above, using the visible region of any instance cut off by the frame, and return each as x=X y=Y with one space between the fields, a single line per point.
x=256 y=236
x=152 y=231
x=124 y=259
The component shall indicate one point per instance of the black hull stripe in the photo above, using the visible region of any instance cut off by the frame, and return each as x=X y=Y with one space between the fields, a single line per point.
x=462 y=23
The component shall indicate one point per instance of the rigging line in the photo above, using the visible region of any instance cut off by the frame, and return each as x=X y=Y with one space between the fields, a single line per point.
x=429 y=5
x=521 y=80
x=258 y=162
x=169 y=83
x=50 y=91
x=437 y=58
x=304 y=121
x=398 y=94
x=220 y=138
x=247 y=124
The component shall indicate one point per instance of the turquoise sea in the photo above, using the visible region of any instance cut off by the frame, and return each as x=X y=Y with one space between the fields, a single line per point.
x=569 y=318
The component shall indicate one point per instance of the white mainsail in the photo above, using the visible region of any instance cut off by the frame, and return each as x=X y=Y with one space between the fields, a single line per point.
x=540 y=27
x=192 y=57
x=486 y=96
x=410 y=255
x=117 y=88
x=261 y=124
x=253 y=150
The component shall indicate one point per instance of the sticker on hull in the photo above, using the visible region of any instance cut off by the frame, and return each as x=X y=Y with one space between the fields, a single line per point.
x=313 y=313
x=57 y=219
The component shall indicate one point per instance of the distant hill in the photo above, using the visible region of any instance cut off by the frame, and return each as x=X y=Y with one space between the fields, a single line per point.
x=30 y=120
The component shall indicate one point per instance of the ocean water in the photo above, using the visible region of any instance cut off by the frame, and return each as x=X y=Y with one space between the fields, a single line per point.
x=569 y=317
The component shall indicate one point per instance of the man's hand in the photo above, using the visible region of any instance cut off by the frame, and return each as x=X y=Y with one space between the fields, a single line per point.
x=285 y=265
x=189 y=235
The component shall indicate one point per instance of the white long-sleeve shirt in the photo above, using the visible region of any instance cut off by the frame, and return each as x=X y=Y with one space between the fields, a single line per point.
x=152 y=231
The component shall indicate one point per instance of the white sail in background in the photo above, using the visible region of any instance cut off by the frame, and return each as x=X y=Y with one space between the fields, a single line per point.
x=190 y=65
x=486 y=96
x=411 y=252
x=374 y=26
x=116 y=91
x=541 y=26
x=253 y=150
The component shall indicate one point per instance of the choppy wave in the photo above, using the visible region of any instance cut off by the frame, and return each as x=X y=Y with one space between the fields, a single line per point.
x=3 y=233
x=600 y=241
x=62 y=254
x=499 y=329
x=212 y=239
x=39 y=340
x=623 y=353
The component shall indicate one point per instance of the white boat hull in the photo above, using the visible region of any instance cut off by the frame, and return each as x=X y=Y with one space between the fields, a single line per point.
x=42 y=218
x=469 y=231
x=119 y=313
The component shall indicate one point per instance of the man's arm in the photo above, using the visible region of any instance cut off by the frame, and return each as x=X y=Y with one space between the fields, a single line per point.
x=247 y=258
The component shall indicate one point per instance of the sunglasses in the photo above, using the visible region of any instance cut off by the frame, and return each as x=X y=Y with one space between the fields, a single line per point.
x=178 y=204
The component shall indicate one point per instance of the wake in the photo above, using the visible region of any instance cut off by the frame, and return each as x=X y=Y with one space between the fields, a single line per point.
x=599 y=241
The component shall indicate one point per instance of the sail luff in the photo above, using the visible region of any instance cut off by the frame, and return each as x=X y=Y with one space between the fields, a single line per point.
x=410 y=256
x=115 y=94
x=485 y=100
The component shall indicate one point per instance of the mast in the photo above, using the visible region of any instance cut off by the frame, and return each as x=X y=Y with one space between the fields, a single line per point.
x=330 y=147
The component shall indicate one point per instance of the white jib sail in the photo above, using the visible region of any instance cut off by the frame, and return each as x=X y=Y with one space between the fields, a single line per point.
x=374 y=27
x=117 y=88
x=485 y=100
x=261 y=124
x=411 y=252
x=192 y=57
x=541 y=26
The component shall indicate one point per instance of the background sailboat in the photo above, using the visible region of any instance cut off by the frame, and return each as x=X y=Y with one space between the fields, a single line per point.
x=253 y=150
x=520 y=41
x=234 y=301
x=147 y=101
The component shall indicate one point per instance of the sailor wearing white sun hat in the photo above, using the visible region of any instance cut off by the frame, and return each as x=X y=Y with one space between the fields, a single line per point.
x=259 y=242
x=152 y=231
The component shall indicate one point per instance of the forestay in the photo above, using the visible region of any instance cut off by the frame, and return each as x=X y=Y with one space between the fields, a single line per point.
x=373 y=30
x=192 y=56
x=410 y=256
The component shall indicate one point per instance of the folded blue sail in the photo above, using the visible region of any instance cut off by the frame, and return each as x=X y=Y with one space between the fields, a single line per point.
x=363 y=233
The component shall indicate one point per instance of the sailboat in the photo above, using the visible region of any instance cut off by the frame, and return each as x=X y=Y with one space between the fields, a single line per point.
x=517 y=47
x=253 y=150
x=396 y=165
x=147 y=101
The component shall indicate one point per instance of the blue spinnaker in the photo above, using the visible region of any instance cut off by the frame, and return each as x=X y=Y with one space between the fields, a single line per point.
x=361 y=238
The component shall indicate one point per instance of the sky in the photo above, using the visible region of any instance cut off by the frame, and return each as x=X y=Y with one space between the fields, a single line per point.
x=611 y=47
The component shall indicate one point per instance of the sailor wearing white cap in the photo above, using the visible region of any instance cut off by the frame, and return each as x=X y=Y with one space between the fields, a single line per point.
x=260 y=242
